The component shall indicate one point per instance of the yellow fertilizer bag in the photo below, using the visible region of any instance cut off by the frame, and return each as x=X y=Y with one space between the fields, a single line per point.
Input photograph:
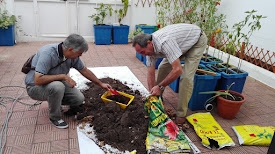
x=209 y=131
x=254 y=135
x=163 y=134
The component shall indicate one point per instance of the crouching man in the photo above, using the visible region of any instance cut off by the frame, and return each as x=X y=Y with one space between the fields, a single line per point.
x=49 y=80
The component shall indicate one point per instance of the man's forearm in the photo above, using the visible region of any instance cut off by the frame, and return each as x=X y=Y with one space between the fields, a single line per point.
x=90 y=76
x=172 y=76
x=151 y=81
x=40 y=79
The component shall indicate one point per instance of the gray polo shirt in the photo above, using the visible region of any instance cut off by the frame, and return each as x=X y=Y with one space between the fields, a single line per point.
x=173 y=41
x=46 y=60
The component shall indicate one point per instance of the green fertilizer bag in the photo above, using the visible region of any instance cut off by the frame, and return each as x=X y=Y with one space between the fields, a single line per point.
x=163 y=134
x=254 y=135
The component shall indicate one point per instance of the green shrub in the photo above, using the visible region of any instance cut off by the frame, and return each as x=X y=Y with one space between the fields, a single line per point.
x=5 y=19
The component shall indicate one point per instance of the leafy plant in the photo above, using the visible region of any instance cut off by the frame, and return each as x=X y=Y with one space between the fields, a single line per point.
x=238 y=36
x=135 y=32
x=101 y=13
x=200 y=12
x=121 y=13
x=5 y=19
x=241 y=37
x=218 y=93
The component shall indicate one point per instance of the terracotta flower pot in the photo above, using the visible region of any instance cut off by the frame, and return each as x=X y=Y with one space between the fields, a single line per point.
x=228 y=109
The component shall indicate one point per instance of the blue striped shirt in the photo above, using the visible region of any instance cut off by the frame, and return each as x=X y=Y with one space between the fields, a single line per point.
x=173 y=41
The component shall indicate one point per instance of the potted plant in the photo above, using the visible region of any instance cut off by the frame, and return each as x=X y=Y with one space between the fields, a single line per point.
x=238 y=39
x=102 y=32
x=120 y=31
x=228 y=102
x=200 y=12
x=204 y=80
x=7 y=22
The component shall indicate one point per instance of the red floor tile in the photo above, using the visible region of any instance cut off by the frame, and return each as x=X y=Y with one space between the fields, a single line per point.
x=44 y=147
x=42 y=137
x=59 y=145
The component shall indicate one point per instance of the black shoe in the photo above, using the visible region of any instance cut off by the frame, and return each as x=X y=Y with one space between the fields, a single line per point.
x=59 y=123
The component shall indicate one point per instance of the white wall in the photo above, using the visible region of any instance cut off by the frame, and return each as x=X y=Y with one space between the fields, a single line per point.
x=143 y=15
x=53 y=20
x=8 y=5
x=234 y=11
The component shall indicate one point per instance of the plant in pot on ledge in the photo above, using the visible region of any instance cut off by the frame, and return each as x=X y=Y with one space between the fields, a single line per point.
x=102 y=32
x=7 y=22
x=238 y=38
x=228 y=102
x=121 y=32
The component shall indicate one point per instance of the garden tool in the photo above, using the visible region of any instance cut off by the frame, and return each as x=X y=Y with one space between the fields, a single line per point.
x=114 y=92
x=206 y=72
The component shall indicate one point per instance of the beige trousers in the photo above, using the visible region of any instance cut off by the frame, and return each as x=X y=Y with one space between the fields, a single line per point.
x=191 y=61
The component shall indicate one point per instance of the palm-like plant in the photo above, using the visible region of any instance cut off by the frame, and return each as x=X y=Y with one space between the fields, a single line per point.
x=218 y=93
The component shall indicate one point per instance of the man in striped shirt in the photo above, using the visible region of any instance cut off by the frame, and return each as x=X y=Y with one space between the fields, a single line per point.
x=174 y=43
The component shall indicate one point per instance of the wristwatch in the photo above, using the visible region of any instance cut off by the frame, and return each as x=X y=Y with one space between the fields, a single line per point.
x=161 y=87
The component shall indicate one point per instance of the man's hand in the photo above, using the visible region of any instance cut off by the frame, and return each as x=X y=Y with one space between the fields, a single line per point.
x=90 y=75
x=155 y=91
x=105 y=86
x=172 y=76
x=151 y=77
x=70 y=81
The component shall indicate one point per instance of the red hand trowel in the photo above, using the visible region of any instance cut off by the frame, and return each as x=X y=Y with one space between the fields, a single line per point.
x=114 y=92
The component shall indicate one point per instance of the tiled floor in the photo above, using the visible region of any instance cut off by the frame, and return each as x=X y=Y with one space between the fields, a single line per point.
x=30 y=131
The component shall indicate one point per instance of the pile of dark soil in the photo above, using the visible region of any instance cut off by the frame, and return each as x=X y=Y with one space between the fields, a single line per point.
x=122 y=129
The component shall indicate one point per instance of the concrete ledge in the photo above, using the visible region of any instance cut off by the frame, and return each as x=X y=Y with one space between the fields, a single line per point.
x=264 y=76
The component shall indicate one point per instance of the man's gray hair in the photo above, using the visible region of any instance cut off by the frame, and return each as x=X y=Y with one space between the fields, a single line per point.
x=77 y=42
x=141 y=40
